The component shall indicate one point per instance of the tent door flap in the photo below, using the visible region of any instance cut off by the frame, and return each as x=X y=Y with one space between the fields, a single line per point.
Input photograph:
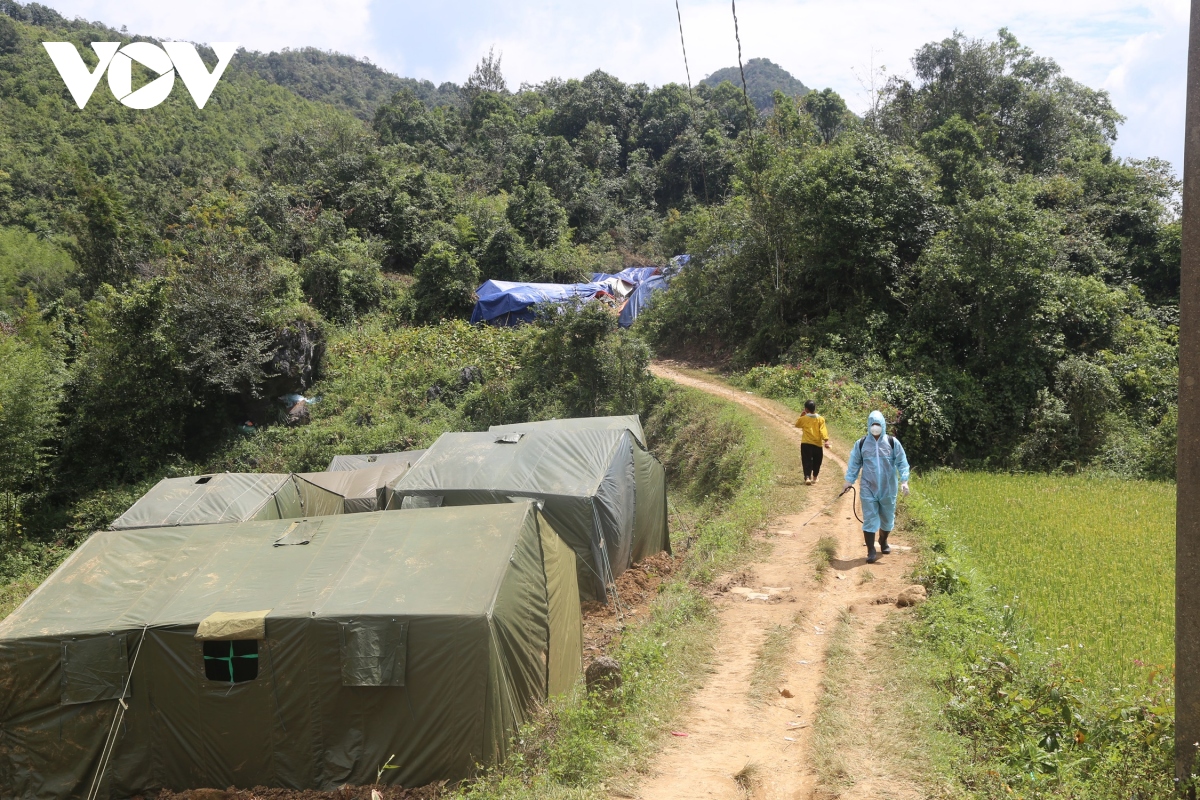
x=374 y=652
x=94 y=669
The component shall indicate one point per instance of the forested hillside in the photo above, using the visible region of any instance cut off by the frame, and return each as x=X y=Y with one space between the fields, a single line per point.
x=168 y=274
x=763 y=79
x=345 y=82
x=971 y=250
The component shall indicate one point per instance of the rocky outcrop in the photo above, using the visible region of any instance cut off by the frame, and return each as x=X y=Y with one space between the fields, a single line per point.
x=298 y=352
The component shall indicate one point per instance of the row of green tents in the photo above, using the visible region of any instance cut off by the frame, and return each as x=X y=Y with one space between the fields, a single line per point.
x=242 y=630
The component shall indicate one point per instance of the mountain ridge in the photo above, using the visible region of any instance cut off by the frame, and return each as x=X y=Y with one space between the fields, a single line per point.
x=763 y=78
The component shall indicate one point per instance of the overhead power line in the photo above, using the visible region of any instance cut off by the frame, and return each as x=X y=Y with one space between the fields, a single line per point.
x=683 y=44
x=692 y=105
x=745 y=92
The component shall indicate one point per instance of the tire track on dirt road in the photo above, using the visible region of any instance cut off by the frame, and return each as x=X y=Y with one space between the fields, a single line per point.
x=728 y=729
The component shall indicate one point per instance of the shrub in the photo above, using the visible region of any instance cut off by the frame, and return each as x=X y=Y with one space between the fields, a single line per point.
x=445 y=284
x=575 y=363
x=537 y=215
x=30 y=391
x=921 y=422
x=344 y=282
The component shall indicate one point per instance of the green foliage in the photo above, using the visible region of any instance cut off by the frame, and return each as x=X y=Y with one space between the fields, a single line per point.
x=30 y=391
x=344 y=283
x=537 y=215
x=385 y=388
x=763 y=79
x=405 y=119
x=342 y=81
x=129 y=396
x=31 y=264
x=1029 y=723
x=828 y=111
x=445 y=284
x=837 y=395
x=972 y=248
x=702 y=446
x=575 y=363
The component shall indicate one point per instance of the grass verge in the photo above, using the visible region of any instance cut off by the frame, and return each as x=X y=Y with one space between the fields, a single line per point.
x=880 y=715
x=1017 y=719
x=770 y=661
x=721 y=463
x=833 y=721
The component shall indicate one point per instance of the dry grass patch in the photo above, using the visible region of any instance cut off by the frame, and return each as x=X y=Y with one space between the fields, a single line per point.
x=824 y=552
x=770 y=662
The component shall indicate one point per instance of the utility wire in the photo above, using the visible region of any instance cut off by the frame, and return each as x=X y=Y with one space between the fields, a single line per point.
x=692 y=105
x=683 y=44
x=750 y=114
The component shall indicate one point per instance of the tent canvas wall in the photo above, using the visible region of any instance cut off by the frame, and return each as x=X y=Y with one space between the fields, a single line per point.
x=208 y=499
x=358 y=490
x=295 y=654
x=650 y=530
x=587 y=479
x=344 y=462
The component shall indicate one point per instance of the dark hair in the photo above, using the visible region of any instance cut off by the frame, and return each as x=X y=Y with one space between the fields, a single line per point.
x=810 y=405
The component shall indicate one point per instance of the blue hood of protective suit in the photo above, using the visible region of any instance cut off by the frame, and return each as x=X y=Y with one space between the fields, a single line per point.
x=877 y=417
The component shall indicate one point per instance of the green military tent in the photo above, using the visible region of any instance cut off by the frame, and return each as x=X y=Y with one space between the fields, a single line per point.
x=408 y=457
x=650 y=534
x=209 y=499
x=289 y=653
x=587 y=479
x=631 y=422
x=358 y=490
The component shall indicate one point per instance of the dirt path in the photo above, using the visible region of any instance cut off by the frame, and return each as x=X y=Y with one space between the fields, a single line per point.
x=758 y=733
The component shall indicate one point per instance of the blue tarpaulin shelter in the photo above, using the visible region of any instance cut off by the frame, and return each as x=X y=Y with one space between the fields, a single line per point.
x=629 y=291
x=646 y=281
x=511 y=303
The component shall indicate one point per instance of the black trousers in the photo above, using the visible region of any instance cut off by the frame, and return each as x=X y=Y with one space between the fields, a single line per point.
x=811 y=456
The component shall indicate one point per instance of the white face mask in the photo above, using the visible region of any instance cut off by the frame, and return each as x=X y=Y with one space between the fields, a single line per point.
x=876 y=429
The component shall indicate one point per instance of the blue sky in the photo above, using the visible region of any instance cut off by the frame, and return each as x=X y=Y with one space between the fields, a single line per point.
x=1135 y=50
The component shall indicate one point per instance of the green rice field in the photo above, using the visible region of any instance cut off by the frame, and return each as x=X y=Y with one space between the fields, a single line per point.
x=1090 y=561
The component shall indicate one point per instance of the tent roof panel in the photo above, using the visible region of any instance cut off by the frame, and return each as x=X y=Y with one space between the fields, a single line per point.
x=497 y=298
x=543 y=462
x=360 y=461
x=356 y=483
x=629 y=422
x=197 y=499
x=445 y=561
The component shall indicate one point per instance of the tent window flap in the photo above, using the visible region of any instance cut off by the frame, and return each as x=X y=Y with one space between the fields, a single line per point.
x=374 y=652
x=234 y=661
x=94 y=669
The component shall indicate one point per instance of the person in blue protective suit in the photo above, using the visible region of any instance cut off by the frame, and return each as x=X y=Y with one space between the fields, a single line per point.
x=881 y=460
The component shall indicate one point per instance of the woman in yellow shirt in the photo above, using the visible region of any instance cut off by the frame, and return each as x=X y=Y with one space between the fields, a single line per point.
x=816 y=436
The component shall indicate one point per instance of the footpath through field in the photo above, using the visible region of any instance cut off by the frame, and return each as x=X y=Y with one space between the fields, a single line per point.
x=745 y=740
